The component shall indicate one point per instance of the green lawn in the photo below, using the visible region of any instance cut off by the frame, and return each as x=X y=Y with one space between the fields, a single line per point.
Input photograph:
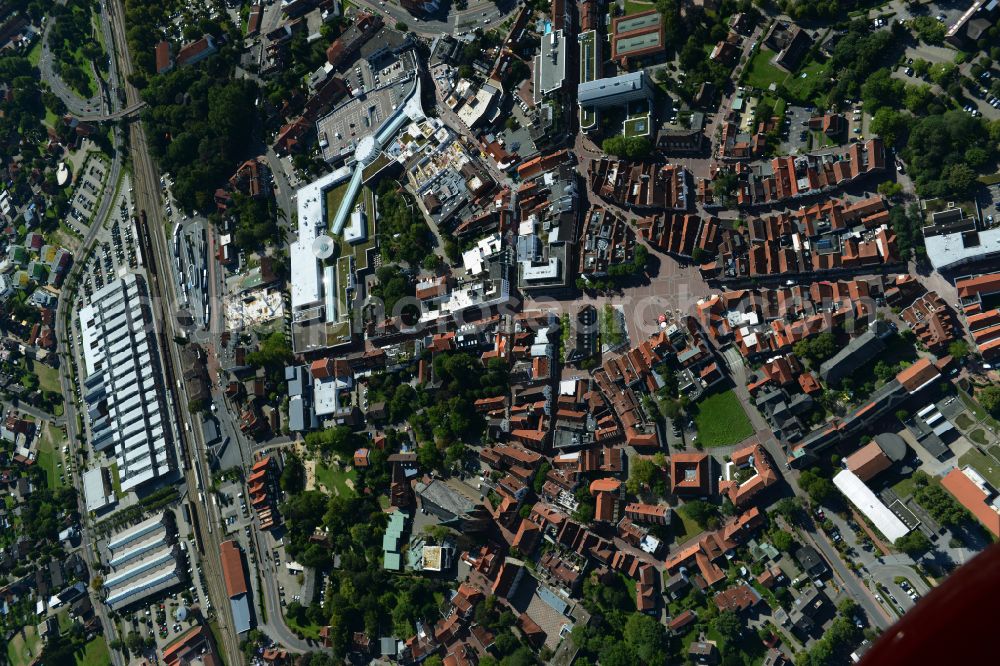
x=637 y=126
x=64 y=622
x=721 y=421
x=636 y=7
x=49 y=456
x=334 y=197
x=94 y=653
x=35 y=54
x=48 y=378
x=906 y=487
x=804 y=89
x=963 y=421
x=116 y=481
x=978 y=436
x=335 y=480
x=761 y=73
x=307 y=630
x=22 y=651
x=977 y=409
x=683 y=527
x=984 y=464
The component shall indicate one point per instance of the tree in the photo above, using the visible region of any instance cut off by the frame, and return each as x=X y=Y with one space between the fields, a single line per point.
x=539 y=481
x=921 y=67
x=913 y=544
x=817 y=348
x=936 y=153
x=402 y=27
x=296 y=612
x=273 y=352
x=431 y=262
x=700 y=511
x=940 y=504
x=881 y=92
x=790 y=508
x=783 y=541
x=391 y=287
x=196 y=405
x=633 y=147
x=134 y=642
x=958 y=349
x=646 y=637
x=989 y=398
x=848 y=607
x=641 y=475
x=819 y=488
x=930 y=30
x=729 y=625
x=961 y=178
x=339 y=440
x=917 y=98
x=890 y=189
x=293 y=476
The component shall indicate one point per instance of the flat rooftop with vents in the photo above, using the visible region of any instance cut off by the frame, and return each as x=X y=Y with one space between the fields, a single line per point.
x=550 y=65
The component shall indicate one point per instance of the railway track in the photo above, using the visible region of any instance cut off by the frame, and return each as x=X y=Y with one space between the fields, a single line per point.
x=153 y=243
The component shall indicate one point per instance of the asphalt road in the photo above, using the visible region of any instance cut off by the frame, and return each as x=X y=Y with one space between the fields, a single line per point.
x=65 y=352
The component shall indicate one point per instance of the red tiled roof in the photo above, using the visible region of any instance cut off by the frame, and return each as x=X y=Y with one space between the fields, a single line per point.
x=972 y=498
x=868 y=461
x=982 y=284
x=918 y=374
x=232 y=568
x=608 y=485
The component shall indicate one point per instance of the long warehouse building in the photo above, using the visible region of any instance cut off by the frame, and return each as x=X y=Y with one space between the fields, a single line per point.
x=143 y=561
x=234 y=572
x=126 y=405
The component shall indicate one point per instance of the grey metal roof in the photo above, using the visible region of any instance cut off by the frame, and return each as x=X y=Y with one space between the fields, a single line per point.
x=855 y=354
x=443 y=496
x=589 y=92
x=241 y=612
x=892 y=445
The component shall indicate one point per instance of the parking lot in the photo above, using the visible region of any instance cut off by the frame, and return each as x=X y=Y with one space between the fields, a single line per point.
x=343 y=129
x=385 y=88
x=797 y=141
x=90 y=182
x=236 y=514
x=115 y=248
x=989 y=204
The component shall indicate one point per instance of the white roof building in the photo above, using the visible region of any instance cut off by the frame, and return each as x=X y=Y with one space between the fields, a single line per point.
x=861 y=496
x=126 y=405
x=96 y=491
x=306 y=278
